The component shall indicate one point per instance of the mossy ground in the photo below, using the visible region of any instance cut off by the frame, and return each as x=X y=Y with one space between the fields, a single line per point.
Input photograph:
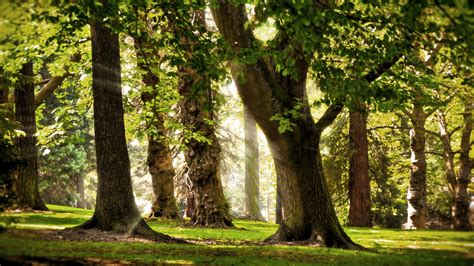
x=230 y=246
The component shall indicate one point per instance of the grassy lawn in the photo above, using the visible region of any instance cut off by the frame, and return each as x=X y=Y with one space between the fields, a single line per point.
x=387 y=246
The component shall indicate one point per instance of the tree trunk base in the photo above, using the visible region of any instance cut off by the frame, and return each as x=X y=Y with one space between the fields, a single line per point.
x=141 y=229
x=332 y=240
x=215 y=223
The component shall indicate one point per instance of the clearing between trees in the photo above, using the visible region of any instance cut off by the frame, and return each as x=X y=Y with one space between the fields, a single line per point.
x=37 y=237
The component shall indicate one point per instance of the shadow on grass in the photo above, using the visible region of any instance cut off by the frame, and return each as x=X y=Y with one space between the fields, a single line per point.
x=38 y=219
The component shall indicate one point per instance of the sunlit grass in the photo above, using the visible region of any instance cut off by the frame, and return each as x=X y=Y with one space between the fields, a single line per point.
x=387 y=246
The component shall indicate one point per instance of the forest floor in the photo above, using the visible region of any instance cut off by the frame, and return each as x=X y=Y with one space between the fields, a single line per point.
x=37 y=237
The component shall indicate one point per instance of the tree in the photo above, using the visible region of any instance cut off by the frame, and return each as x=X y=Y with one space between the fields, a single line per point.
x=461 y=216
x=252 y=207
x=268 y=92
x=202 y=156
x=115 y=210
x=27 y=172
x=359 y=183
x=160 y=160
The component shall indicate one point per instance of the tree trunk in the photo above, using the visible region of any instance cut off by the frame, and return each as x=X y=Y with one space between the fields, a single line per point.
x=416 y=195
x=203 y=159
x=160 y=159
x=81 y=203
x=448 y=156
x=27 y=173
x=309 y=213
x=115 y=210
x=461 y=217
x=252 y=207
x=278 y=207
x=359 y=183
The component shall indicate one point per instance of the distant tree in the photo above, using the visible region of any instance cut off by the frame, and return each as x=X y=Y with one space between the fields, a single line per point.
x=252 y=206
x=360 y=213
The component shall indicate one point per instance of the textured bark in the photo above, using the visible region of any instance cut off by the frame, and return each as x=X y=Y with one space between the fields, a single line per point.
x=416 y=195
x=159 y=160
x=202 y=158
x=461 y=216
x=115 y=210
x=278 y=207
x=27 y=172
x=252 y=206
x=359 y=183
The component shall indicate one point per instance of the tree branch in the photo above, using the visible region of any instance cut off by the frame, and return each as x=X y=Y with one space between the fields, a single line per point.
x=328 y=117
x=54 y=83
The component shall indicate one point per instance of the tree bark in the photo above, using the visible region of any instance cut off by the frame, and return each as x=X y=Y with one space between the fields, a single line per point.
x=278 y=207
x=115 y=210
x=202 y=158
x=360 y=214
x=252 y=207
x=416 y=195
x=27 y=172
x=160 y=159
x=309 y=212
x=461 y=217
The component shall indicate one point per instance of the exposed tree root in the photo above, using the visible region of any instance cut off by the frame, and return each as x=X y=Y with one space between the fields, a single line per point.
x=330 y=240
x=139 y=229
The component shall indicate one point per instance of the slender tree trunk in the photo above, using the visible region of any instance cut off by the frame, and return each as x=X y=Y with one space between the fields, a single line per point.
x=27 y=173
x=160 y=159
x=461 y=217
x=252 y=207
x=81 y=203
x=448 y=156
x=115 y=204
x=359 y=183
x=416 y=196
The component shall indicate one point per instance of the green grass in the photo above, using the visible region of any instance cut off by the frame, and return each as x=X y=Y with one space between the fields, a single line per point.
x=387 y=246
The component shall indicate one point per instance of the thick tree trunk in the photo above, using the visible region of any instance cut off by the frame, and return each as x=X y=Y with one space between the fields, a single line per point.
x=27 y=173
x=160 y=159
x=203 y=158
x=278 y=207
x=359 y=183
x=252 y=206
x=309 y=213
x=416 y=195
x=115 y=210
x=160 y=165
x=461 y=217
